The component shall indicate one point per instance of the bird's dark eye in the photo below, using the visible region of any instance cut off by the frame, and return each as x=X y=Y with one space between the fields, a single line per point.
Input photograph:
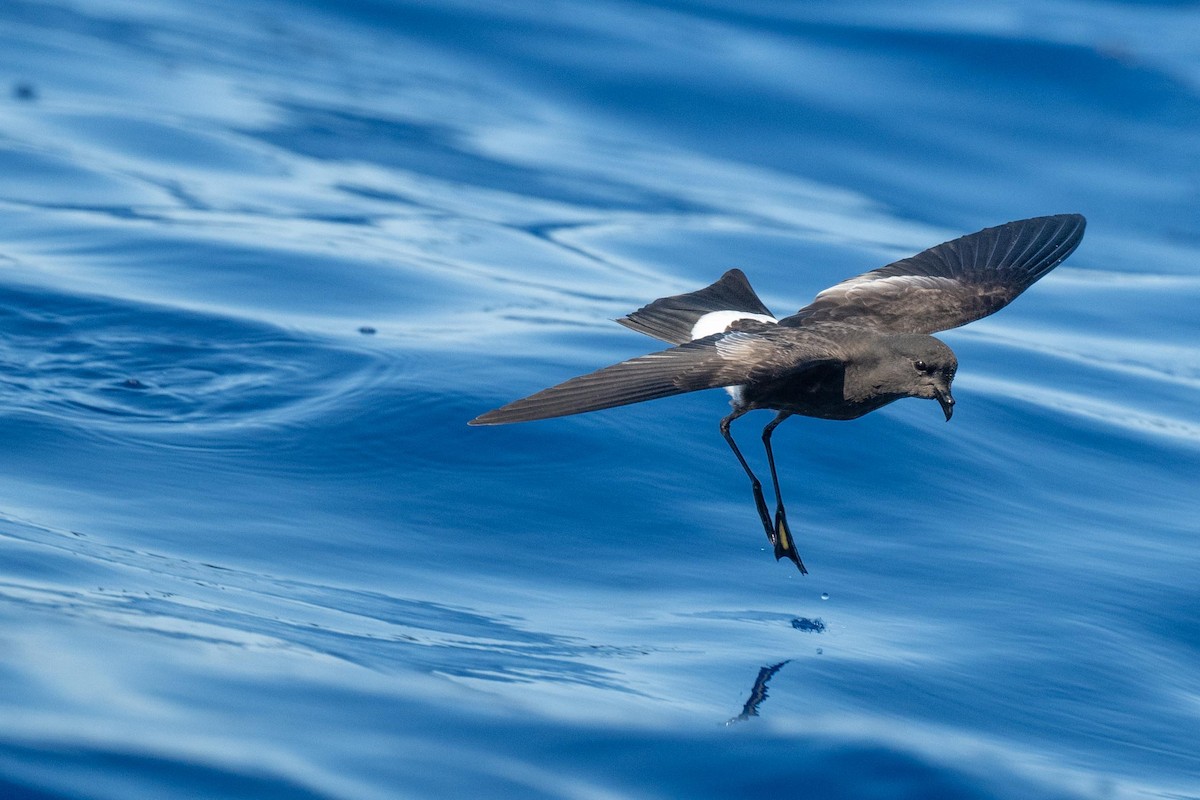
x=921 y=366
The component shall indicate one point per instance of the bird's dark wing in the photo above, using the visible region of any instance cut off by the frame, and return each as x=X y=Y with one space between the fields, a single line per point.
x=725 y=359
x=952 y=284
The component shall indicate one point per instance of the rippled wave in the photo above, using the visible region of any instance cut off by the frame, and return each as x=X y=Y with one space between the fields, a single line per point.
x=260 y=262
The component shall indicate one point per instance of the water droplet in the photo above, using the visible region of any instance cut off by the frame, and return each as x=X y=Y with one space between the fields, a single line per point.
x=824 y=595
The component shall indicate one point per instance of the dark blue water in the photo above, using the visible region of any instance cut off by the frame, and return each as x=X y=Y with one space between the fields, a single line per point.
x=260 y=262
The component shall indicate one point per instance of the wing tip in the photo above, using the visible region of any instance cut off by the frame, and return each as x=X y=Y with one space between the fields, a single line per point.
x=1080 y=222
x=499 y=416
x=1076 y=220
x=1069 y=234
x=1030 y=247
x=1072 y=224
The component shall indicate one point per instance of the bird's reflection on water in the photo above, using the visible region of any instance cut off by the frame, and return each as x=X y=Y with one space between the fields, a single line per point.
x=759 y=693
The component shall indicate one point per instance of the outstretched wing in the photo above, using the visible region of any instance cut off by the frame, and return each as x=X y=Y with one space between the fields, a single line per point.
x=952 y=284
x=725 y=359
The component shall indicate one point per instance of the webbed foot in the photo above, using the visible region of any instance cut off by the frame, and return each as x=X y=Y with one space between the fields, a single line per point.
x=785 y=545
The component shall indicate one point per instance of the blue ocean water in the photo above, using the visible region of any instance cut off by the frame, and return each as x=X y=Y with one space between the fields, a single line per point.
x=261 y=261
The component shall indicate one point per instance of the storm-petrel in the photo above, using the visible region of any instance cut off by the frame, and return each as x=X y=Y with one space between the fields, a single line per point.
x=858 y=346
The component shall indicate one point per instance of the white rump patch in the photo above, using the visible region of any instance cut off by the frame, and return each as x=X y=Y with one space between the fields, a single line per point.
x=735 y=395
x=718 y=321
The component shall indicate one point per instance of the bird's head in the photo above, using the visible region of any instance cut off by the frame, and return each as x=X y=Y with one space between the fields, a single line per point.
x=922 y=366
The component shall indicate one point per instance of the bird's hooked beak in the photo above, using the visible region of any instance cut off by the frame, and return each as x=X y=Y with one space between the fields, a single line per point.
x=946 y=400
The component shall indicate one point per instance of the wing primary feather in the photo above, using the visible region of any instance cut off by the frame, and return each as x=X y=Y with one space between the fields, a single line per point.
x=991 y=256
x=1043 y=245
x=1023 y=256
x=687 y=368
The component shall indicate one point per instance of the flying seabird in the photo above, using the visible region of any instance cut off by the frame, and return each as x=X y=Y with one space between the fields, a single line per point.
x=859 y=345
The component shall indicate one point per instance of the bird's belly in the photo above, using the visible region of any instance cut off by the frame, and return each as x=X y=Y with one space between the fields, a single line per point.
x=844 y=410
x=820 y=396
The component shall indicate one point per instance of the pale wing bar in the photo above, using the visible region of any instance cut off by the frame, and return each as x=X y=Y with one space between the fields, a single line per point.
x=951 y=284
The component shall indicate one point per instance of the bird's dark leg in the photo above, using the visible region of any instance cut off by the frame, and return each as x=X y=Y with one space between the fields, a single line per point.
x=755 y=485
x=785 y=545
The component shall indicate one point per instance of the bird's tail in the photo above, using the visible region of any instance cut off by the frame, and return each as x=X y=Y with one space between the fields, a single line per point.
x=683 y=317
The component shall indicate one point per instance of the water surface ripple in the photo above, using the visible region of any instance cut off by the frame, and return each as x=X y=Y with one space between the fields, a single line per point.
x=260 y=261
